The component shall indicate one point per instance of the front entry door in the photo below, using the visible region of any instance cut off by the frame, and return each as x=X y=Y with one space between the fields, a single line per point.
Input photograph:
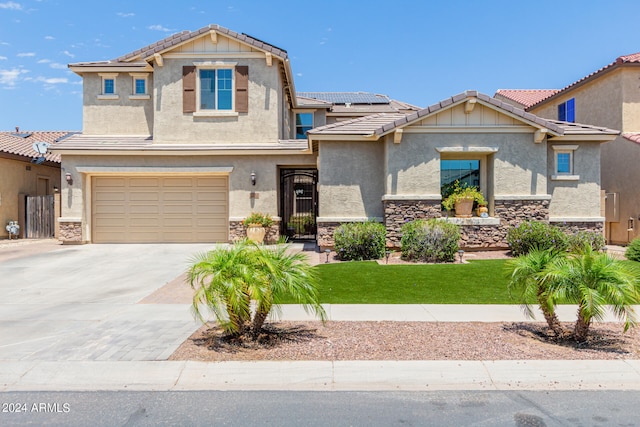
x=299 y=203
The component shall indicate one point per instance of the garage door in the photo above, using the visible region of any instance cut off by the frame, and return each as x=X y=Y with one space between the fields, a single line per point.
x=155 y=209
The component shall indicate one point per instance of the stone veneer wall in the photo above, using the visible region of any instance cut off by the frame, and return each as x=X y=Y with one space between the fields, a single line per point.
x=70 y=232
x=325 y=234
x=398 y=212
x=574 y=227
x=237 y=231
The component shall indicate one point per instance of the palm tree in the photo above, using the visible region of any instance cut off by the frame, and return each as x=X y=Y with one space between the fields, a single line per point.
x=227 y=280
x=594 y=280
x=527 y=274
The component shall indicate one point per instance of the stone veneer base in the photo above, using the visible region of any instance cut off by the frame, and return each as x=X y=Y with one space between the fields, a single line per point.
x=70 y=232
x=237 y=231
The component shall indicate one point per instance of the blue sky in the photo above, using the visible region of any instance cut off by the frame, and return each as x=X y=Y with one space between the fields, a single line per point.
x=415 y=51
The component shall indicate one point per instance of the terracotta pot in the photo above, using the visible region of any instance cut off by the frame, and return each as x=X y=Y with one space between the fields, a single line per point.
x=481 y=210
x=256 y=233
x=464 y=208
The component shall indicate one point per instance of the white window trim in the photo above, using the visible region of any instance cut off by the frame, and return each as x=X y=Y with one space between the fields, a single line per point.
x=564 y=149
x=139 y=76
x=216 y=65
x=107 y=76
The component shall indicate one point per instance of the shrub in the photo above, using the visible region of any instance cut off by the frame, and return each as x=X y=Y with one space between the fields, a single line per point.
x=430 y=240
x=633 y=250
x=576 y=242
x=534 y=234
x=264 y=220
x=360 y=240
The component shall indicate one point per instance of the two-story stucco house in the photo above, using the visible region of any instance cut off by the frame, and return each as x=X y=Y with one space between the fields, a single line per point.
x=608 y=97
x=186 y=137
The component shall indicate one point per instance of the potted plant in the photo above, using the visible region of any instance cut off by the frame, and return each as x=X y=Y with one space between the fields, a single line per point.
x=462 y=198
x=257 y=224
x=301 y=222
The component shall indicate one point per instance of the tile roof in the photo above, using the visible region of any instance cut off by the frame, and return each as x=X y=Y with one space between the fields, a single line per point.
x=380 y=124
x=525 y=97
x=184 y=36
x=82 y=142
x=21 y=143
x=632 y=59
x=633 y=137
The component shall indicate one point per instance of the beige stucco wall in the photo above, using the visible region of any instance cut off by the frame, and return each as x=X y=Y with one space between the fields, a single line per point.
x=518 y=167
x=351 y=180
x=260 y=124
x=267 y=186
x=122 y=116
x=581 y=198
x=16 y=179
x=631 y=99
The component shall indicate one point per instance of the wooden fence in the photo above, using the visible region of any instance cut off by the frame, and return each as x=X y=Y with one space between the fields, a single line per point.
x=40 y=214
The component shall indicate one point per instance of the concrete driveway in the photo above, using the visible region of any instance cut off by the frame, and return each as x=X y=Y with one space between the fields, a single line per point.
x=82 y=303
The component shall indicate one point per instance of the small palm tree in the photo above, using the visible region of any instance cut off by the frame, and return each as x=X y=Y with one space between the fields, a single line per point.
x=227 y=280
x=594 y=280
x=527 y=273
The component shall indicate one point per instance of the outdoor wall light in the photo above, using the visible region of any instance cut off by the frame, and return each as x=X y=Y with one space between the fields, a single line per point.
x=327 y=252
x=68 y=177
x=55 y=189
x=253 y=178
x=460 y=255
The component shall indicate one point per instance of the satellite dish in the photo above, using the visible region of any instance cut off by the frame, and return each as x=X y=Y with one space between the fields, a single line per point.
x=40 y=147
x=38 y=160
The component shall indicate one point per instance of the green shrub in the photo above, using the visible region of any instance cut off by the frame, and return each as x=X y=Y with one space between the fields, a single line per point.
x=633 y=250
x=577 y=241
x=431 y=240
x=535 y=234
x=360 y=240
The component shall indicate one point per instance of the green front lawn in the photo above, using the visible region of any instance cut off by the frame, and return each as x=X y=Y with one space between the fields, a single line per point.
x=366 y=282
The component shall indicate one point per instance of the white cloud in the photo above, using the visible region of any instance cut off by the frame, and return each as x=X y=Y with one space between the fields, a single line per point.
x=299 y=74
x=57 y=66
x=11 y=5
x=69 y=54
x=10 y=77
x=49 y=38
x=159 y=28
x=52 y=81
x=125 y=15
x=44 y=61
x=2 y=58
x=25 y=54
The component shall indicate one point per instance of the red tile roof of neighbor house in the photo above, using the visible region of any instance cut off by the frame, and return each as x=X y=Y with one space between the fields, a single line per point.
x=20 y=143
x=625 y=60
x=633 y=137
x=526 y=97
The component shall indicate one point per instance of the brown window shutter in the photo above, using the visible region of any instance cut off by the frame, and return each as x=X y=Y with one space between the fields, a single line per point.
x=242 y=89
x=188 y=89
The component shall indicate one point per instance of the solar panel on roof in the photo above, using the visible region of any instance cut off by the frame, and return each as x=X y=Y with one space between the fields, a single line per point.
x=347 y=97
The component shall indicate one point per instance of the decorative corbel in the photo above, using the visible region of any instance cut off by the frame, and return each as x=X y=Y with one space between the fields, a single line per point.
x=158 y=59
x=539 y=136
x=397 y=136
x=469 y=105
x=214 y=37
x=269 y=58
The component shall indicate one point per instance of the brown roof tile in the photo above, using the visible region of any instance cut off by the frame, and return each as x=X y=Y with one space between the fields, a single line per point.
x=21 y=143
x=525 y=97
x=633 y=137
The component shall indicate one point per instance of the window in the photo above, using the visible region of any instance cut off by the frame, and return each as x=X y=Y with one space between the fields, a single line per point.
x=564 y=163
x=216 y=88
x=463 y=171
x=139 y=86
x=567 y=111
x=108 y=86
x=304 y=123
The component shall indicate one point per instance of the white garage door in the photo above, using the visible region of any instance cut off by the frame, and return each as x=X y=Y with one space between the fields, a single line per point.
x=156 y=209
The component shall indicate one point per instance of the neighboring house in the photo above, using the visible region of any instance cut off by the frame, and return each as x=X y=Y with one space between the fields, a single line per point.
x=607 y=97
x=22 y=174
x=186 y=137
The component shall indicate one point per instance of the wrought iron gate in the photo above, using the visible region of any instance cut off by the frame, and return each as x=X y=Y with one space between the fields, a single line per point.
x=299 y=203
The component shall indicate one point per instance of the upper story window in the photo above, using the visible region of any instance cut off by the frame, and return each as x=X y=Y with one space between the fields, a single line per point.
x=567 y=111
x=564 y=163
x=304 y=123
x=139 y=88
x=108 y=86
x=215 y=88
